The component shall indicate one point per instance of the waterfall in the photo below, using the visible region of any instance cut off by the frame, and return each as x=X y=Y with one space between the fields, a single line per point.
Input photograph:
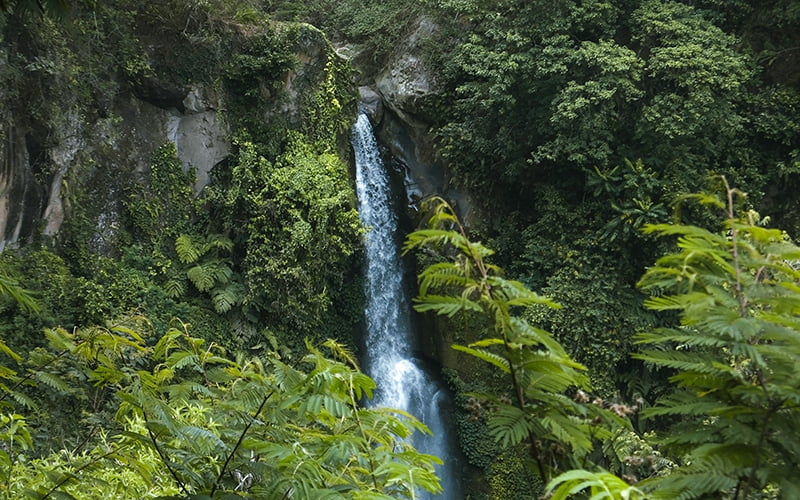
x=401 y=381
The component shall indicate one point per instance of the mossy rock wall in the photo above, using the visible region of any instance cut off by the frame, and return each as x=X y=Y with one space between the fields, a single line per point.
x=125 y=127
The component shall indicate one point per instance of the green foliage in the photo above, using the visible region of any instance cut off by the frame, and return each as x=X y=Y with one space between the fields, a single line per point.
x=100 y=473
x=555 y=428
x=58 y=10
x=588 y=113
x=306 y=428
x=48 y=279
x=16 y=440
x=509 y=477
x=584 y=85
x=597 y=332
x=375 y=25
x=696 y=78
x=78 y=77
x=296 y=223
x=733 y=357
x=10 y=288
x=190 y=419
x=601 y=485
x=635 y=192
x=163 y=208
x=208 y=269
x=262 y=60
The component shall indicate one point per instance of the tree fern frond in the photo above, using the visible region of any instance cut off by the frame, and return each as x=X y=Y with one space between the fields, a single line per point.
x=23 y=400
x=11 y=288
x=542 y=372
x=445 y=305
x=203 y=441
x=689 y=485
x=444 y=275
x=436 y=238
x=219 y=241
x=341 y=352
x=566 y=430
x=495 y=359
x=175 y=287
x=673 y=302
x=220 y=271
x=225 y=298
x=688 y=362
x=53 y=381
x=9 y=352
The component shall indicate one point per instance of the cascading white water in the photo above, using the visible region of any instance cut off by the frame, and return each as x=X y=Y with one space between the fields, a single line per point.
x=401 y=382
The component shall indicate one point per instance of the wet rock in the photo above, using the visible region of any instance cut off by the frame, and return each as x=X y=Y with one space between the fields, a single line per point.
x=372 y=104
x=406 y=79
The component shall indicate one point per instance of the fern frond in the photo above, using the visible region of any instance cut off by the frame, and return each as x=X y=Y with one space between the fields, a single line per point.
x=694 y=363
x=175 y=287
x=219 y=241
x=9 y=352
x=188 y=250
x=602 y=485
x=224 y=299
x=444 y=274
x=445 y=305
x=689 y=485
x=497 y=360
x=436 y=238
x=340 y=351
x=53 y=381
x=202 y=276
x=221 y=271
x=10 y=287
x=674 y=302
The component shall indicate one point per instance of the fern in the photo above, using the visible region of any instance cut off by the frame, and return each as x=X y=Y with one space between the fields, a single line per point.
x=538 y=367
x=449 y=306
x=734 y=357
x=510 y=425
x=601 y=485
x=497 y=360
x=224 y=298
x=209 y=410
x=10 y=287
x=188 y=249
x=175 y=287
x=203 y=276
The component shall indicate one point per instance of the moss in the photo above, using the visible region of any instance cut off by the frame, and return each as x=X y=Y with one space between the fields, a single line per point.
x=508 y=477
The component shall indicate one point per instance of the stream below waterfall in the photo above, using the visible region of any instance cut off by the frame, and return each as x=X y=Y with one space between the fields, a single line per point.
x=402 y=382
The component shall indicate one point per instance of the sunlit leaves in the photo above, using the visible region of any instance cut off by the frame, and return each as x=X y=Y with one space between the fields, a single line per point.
x=601 y=486
x=298 y=433
x=305 y=426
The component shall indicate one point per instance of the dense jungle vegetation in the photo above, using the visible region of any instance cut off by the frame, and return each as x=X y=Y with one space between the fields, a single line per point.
x=625 y=317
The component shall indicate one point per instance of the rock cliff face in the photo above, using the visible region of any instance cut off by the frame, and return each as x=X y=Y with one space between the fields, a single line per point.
x=88 y=147
x=83 y=148
x=114 y=150
x=395 y=101
x=110 y=151
x=21 y=197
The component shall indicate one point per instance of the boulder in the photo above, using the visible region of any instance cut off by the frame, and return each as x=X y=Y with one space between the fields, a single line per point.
x=371 y=104
x=406 y=78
